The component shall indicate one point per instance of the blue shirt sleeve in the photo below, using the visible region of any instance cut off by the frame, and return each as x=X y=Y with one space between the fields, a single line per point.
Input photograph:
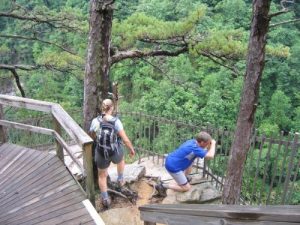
x=199 y=152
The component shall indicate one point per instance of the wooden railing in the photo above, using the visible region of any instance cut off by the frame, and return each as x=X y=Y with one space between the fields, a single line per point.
x=184 y=214
x=60 y=120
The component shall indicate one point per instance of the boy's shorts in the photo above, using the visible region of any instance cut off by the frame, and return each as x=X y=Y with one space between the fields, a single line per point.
x=179 y=177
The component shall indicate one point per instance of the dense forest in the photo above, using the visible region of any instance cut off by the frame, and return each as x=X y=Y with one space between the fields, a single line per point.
x=199 y=79
x=186 y=60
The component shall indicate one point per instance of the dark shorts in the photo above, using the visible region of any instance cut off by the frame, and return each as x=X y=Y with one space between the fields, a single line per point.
x=103 y=163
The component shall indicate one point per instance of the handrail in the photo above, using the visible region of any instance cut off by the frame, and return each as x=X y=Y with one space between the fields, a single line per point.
x=175 y=214
x=61 y=119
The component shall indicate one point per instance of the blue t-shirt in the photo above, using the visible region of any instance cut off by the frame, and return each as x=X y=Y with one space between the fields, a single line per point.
x=183 y=157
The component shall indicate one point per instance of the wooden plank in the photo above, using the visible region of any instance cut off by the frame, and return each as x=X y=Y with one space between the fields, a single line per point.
x=36 y=193
x=6 y=154
x=78 y=220
x=16 y=215
x=20 y=212
x=59 y=215
x=26 y=127
x=40 y=184
x=20 y=177
x=26 y=169
x=262 y=213
x=15 y=168
x=32 y=183
x=93 y=213
x=26 y=103
x=176 y=219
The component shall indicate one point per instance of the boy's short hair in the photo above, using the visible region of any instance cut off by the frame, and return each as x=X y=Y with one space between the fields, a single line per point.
x=203 y=136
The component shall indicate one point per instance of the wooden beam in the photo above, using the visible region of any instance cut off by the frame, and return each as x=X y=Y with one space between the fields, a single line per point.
x=3 y=134
x=88 y=168
x=25 y=103
x=220 y=214
x=70 y=126
x=26 y=127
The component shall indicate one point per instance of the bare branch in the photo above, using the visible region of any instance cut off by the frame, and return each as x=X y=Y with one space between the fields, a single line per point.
x=21 y=67
x=284 y=22
x=140 y=54
x=52 y=22
x=215 y=58
x=37 y=39
x=17 y=79
x=279 y=13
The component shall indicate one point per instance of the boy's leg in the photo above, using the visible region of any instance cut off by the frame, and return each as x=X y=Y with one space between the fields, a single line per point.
x=181 y=185
x=188 y=170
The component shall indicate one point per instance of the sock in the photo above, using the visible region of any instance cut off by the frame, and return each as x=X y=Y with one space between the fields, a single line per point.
x=120 y=177
x=104 y=195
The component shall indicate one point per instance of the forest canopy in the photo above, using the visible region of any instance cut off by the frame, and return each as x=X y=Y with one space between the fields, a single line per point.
x=43 y=51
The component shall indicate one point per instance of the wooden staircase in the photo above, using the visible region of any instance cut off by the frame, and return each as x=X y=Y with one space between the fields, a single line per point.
x=37 y=188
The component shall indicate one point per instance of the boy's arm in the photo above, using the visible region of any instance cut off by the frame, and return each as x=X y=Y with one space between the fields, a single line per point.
x=211 y=152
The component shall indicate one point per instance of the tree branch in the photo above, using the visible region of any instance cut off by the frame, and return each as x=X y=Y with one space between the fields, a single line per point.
x=17 y=79
x=18 y=66
x=213 y=58
x=52 y=22
x=279 y=13
x=140 y=54
x=284 y=22
x=37 y=39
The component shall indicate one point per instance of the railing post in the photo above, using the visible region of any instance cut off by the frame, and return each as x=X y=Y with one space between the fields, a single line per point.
x=3 y=134
x=88 y=167
x=59 y=148
x=290 y=168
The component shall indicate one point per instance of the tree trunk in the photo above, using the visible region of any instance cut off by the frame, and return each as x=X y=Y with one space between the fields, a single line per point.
x=248 y=104
x=96 y=81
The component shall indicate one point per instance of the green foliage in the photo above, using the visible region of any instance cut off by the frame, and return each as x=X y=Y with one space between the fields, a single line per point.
x=139 y=26
x=280 y=110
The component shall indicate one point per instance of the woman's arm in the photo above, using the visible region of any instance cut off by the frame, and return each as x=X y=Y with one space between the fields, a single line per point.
x=127 y=142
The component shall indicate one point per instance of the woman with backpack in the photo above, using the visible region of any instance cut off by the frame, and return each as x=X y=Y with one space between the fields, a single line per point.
x=108 y=132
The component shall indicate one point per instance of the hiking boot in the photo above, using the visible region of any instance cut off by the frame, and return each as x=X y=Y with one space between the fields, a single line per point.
x=121 y=182
x=106 y=203
x=161 y=190
x=189 y=178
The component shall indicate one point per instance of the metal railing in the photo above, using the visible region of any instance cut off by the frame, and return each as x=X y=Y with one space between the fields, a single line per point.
x=271 y=173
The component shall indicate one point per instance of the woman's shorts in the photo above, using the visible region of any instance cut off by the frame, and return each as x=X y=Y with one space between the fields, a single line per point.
x=103 y=163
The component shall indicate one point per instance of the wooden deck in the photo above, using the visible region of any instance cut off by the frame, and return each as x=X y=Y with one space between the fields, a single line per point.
x=36 y=188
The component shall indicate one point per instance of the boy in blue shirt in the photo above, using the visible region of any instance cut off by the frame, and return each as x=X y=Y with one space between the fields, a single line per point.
x=179 y=162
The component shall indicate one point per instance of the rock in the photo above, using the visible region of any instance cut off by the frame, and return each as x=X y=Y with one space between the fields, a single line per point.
x=200 y=193
x=132 y=172
x=154 y=168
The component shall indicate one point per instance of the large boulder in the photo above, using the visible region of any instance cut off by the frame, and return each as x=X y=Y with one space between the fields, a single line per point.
x=202 y=191
x=132 y=172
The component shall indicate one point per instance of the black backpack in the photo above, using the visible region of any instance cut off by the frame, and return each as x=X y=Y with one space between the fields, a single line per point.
x=107 y=139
